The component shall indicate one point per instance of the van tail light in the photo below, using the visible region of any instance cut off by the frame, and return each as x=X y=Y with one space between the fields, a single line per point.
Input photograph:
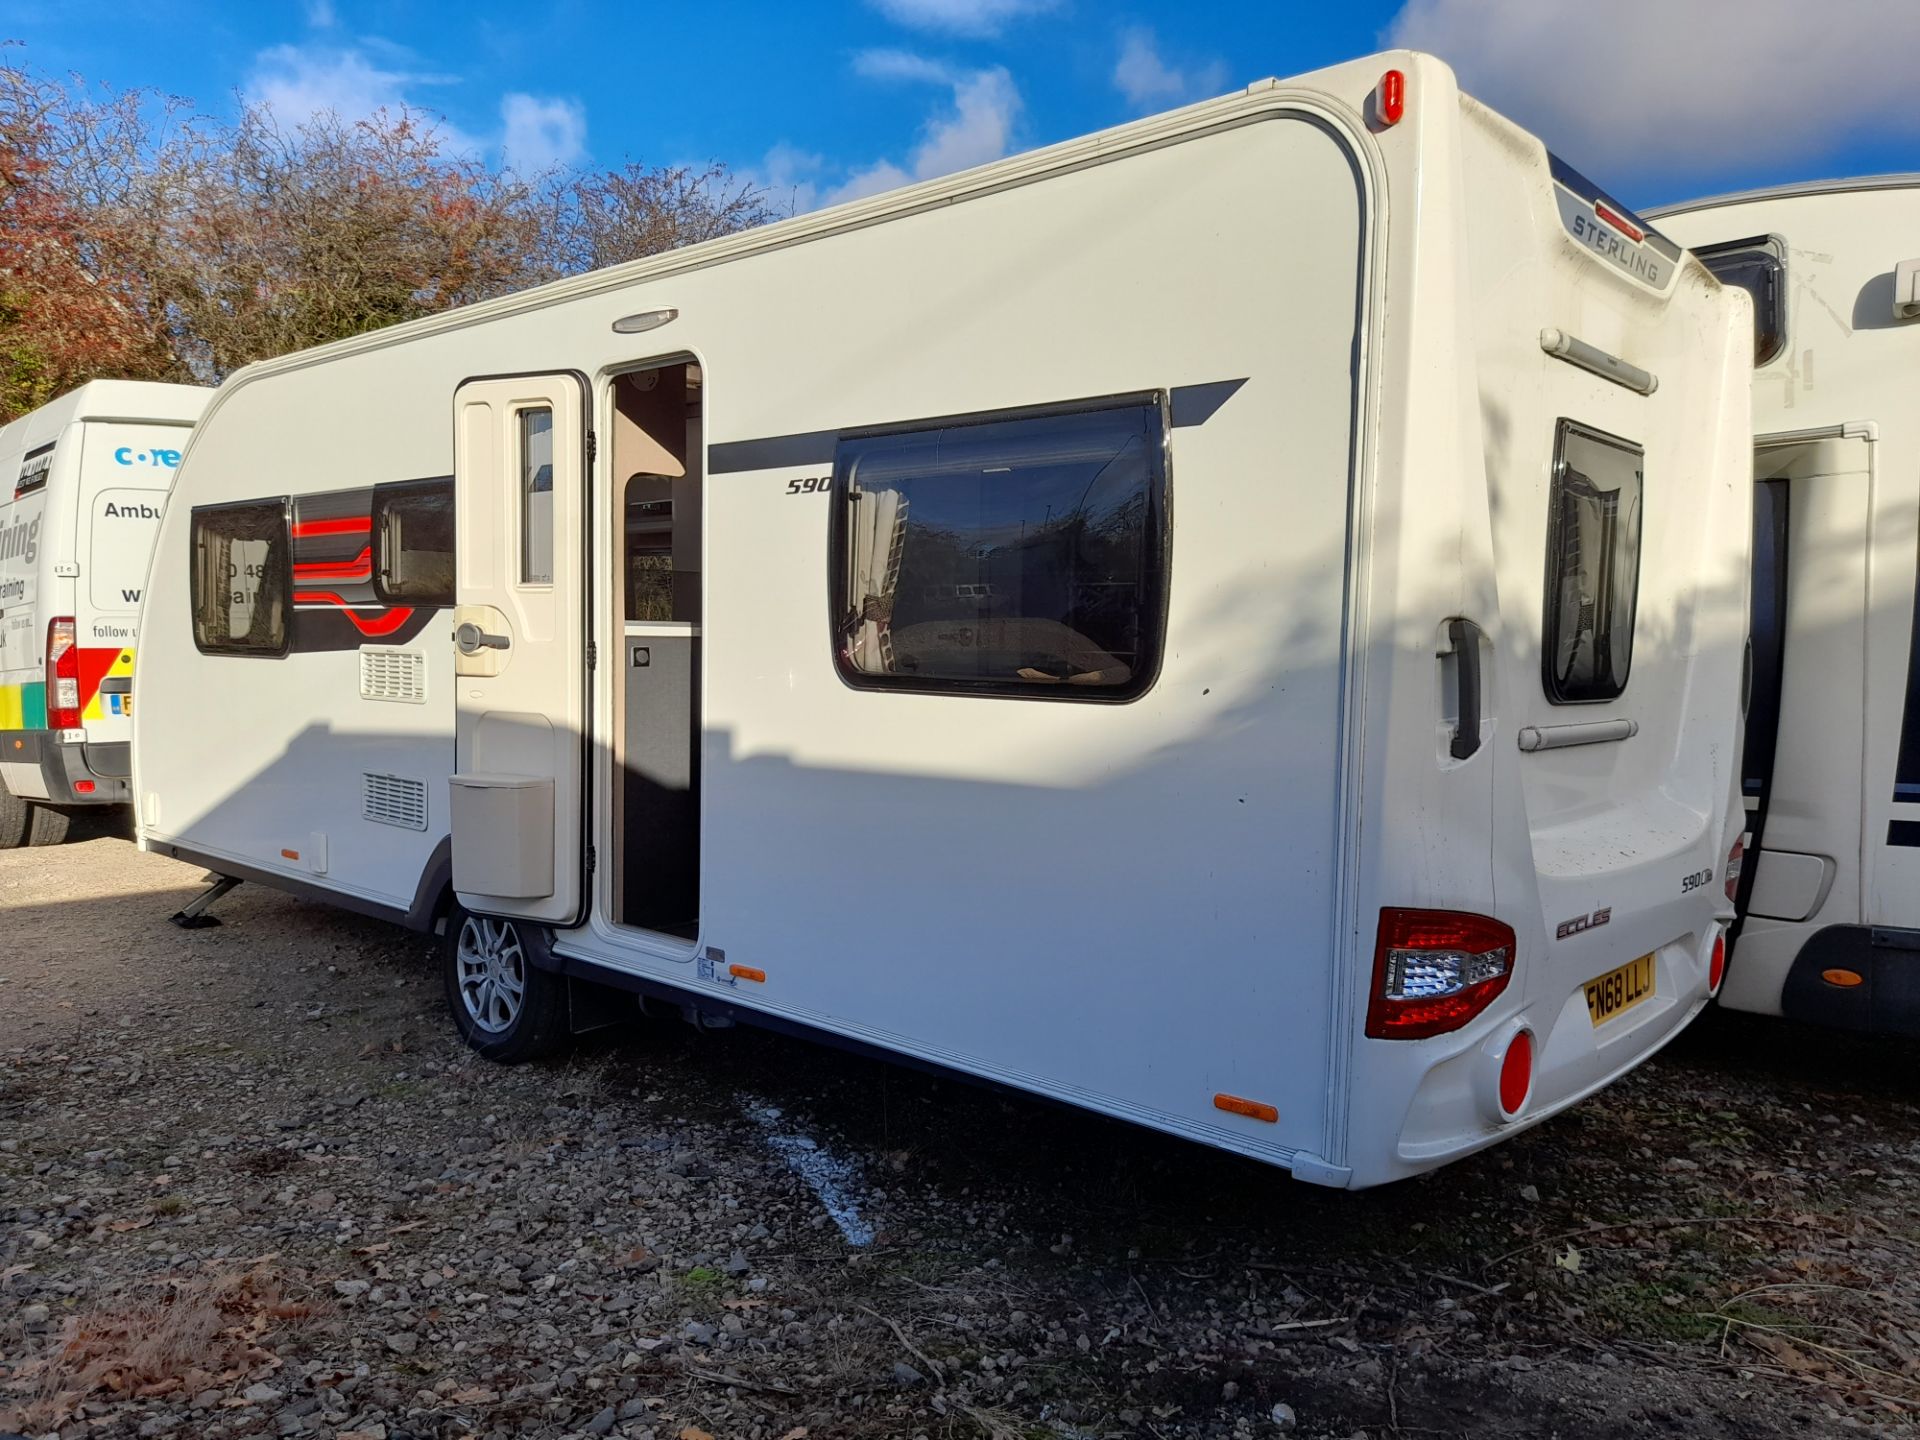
x=1434 y=970
x=63 y=675
x=1736 y=861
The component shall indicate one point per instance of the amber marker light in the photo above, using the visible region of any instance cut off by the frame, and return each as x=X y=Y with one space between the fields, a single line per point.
x=1252 y=1109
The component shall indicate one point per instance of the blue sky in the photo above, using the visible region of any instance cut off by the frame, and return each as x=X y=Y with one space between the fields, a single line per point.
x=1658 y=100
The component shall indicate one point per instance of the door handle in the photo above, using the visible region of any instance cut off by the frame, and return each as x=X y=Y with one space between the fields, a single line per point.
x=471 y=639
x=1464 y=636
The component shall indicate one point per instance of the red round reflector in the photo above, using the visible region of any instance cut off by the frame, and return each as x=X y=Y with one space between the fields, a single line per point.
x=1516 y=1073
x=83 y=787
x=1717 y=967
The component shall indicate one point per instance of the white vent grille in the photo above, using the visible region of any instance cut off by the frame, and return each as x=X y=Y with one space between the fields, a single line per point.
x=395 y=800
x=390 y=674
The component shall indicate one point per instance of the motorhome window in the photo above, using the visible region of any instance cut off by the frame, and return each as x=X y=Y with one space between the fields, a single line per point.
x=536 y=497
x=241 y=578
x=1018 y=556
x=413 y=530
x=1757 y=266
x=1593 y=564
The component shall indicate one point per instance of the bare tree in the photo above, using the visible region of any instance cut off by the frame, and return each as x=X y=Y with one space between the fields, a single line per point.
x=602 y=219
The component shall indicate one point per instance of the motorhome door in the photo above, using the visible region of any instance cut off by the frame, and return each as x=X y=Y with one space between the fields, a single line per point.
x=517 y=803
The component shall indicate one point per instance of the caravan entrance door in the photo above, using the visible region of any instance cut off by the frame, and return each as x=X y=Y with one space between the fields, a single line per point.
x=518 y=802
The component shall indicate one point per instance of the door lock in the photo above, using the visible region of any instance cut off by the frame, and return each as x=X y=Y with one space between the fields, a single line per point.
x=471 y=639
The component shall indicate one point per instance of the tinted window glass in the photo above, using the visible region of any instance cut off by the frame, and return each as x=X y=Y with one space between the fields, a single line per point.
x=241 y=578
x=1767 y=630
x=536 y=497
x=413 y=527
x=1017 y=556
x=1756 y=267
x=1593 y=564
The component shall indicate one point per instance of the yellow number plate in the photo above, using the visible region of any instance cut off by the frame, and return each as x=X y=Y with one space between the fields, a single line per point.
x=1619 y=990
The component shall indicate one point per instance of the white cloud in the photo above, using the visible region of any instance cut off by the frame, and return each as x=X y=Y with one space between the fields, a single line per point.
x=299 y=83
x=321 y=14
x=976 y=129
x=1651 y=87
x=960 y=17
x=790 y=176
x=539 y=134
x=1150 y=83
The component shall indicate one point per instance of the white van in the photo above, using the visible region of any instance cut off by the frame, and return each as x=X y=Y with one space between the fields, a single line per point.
x=1234 y=623
x=1831 y=918
x=83 y=483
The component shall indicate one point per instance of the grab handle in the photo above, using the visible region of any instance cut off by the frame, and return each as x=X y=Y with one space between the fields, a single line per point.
x=1464 y=636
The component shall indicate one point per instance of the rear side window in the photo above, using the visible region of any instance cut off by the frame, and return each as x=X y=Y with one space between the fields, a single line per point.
x=1020 y=556
x=1757 y=266
x=413 y=539
x=1593 y=564
x=241 y=578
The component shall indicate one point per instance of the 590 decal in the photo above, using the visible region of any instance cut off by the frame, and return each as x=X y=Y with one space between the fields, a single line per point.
x=812 y=485
x=1695 y=880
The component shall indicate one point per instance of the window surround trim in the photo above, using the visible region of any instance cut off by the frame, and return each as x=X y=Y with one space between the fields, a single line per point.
x=1158 y=557
x=1565 y=426
x=243 y=652
x=397 y=488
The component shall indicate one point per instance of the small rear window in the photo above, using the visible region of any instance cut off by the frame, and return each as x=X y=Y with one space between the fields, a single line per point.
x=1757 y=266
x=242 y=578
x=1593 y=564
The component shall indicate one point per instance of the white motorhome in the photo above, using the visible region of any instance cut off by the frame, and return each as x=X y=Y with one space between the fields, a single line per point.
x=83 y=482
x=1830 y=927
x=1234 y=623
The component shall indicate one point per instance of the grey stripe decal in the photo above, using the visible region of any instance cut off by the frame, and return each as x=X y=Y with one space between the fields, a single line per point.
x=1190 y=405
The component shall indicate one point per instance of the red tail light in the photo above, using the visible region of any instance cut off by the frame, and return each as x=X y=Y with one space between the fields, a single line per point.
x=1736 y=860
x=63 y=675
x=1434 y=970
x=1717 y=966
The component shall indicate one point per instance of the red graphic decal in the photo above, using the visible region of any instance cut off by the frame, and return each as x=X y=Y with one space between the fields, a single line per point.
x=359 y=568
x=348 y=525
x=370 y=625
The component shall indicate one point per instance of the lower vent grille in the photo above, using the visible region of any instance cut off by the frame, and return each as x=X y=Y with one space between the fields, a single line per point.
x=395 y=800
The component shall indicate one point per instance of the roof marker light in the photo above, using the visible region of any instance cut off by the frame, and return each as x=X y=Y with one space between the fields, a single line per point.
x=1391 y=98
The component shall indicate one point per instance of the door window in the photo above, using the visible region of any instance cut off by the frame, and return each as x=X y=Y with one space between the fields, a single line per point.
x=536 y=496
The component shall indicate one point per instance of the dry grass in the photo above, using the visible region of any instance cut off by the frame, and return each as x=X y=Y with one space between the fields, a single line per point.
x=175 y=1335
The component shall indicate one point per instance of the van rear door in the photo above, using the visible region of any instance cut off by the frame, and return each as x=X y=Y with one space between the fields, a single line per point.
x=126 y=471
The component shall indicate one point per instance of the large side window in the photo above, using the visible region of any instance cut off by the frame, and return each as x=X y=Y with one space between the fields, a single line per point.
x=1593 y=564
x=1757 y=266
x=1019 y=555
x=241 y=578
x=413 y=539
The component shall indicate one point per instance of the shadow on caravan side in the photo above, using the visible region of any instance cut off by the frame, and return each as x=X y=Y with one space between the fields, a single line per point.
x=1214 y=712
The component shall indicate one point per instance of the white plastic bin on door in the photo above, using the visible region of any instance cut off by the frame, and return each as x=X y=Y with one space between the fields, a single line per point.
x=503 y=829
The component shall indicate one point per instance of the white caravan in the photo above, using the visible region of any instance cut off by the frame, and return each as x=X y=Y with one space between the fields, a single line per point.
x=1831 y=921
x=83 y=481
x=1234 y=623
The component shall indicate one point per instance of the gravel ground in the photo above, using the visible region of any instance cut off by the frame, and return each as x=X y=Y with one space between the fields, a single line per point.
x=250 y=1184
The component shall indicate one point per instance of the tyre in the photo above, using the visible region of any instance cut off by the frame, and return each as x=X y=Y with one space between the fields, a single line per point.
x=16 y=818
x=504 y=1005
x=47 y=826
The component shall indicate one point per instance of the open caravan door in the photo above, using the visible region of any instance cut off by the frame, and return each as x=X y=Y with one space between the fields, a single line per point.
x=518 y=802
